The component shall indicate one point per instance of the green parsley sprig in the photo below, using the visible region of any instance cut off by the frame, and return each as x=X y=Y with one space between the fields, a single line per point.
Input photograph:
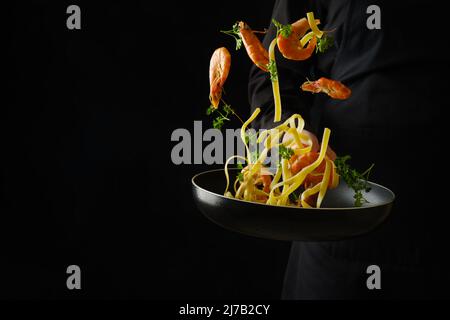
x=355 y=180
x=285 y=152
x=210 y=110
x=324 y=43
x=272 y=67
x=236 y=34
x=284 y=29
x=295 y=196
x=223 y=116
x=240 y=175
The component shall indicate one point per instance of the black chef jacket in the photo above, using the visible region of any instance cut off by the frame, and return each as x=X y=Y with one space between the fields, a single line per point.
x=394 y=118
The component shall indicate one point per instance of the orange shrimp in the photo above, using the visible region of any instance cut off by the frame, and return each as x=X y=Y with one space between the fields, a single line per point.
x=333 y=88
x=219 y=67
x=255 y=50
x=266 y=180
x=291 y=47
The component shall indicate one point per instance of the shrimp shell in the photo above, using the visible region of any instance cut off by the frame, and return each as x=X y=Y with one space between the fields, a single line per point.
x=291 y=48
x=219 y=67
x=335 y=89
x=255 y=50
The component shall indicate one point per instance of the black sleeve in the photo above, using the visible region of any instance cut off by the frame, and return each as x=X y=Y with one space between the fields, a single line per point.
x=291 y=74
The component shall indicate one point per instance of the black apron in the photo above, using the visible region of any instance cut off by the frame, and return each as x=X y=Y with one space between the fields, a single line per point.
x=394 y=119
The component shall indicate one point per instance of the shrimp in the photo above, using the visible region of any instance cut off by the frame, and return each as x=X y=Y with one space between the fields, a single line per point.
x=299 y=162
x=265 y=180
x=333 y=88
x=255 y=50
x=291 y=47
x=219 y=67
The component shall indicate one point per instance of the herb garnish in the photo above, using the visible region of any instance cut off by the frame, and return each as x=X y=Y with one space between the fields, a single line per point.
x=324 y=43
x=210 y=110
x=240 y=175
x=284 y=29
x=219 y=121
x=235 y=33
x=285 y=153
x=272 y=67
x=294 y=196
x=355 y=180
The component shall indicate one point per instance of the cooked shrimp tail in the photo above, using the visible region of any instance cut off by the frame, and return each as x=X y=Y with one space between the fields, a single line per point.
x=335 y=89
x=255 y=50
x=219 y=67
x=290 y=45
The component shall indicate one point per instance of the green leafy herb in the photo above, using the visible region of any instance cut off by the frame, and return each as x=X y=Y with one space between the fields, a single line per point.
x=219 y=121
x=210 y=110
x=235 y=33
x=294 y=196
x=227 y=109
x=285 y=153
x=224 y=115
x=355 y=180
x=284 y=29
x=324 y=43
x=272 y=67
x=240 y=175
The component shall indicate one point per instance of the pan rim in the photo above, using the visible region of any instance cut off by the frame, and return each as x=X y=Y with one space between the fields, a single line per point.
x=368 y=206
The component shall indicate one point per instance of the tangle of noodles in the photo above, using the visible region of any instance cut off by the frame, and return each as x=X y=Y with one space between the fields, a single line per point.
x=283 y=182
x=305 y=186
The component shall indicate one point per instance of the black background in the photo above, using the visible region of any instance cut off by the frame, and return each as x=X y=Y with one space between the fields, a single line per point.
x=86 y=172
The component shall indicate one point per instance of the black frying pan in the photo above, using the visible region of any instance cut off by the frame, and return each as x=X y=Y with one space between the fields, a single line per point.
x=337 y=219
